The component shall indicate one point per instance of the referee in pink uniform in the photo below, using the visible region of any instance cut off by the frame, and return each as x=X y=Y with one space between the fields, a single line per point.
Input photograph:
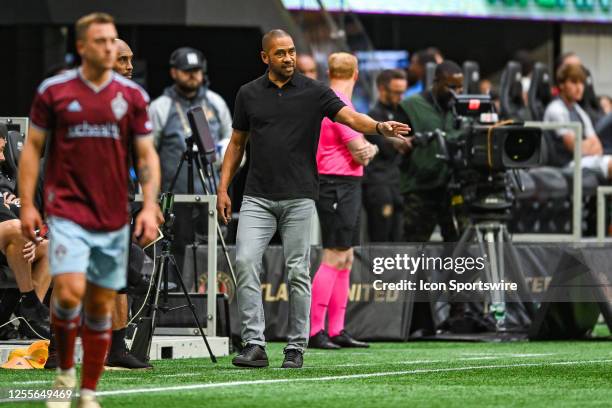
x=341 y=156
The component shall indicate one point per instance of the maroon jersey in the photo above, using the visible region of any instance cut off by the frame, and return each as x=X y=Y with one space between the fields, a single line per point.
x=89 y=129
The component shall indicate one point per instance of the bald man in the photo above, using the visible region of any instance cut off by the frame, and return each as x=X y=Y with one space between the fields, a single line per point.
x=123 y=64
x=280 y=113
x=307 y=66
x=119 y=357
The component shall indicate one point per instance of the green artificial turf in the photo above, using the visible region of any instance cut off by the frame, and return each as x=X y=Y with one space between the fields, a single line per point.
x=419 y=374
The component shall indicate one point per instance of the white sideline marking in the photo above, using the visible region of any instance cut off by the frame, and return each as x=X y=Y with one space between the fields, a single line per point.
x=242 y=371
x=510 y=354
x=33 y=382
x=336 y=378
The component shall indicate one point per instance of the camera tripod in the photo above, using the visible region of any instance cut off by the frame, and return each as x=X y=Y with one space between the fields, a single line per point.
x=489 y=231
x=141 y=345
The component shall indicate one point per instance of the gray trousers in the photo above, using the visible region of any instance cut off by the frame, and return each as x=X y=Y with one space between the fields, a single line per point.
x=259 y=220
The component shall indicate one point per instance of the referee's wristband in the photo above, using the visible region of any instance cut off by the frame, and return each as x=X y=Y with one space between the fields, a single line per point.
x=378 y=129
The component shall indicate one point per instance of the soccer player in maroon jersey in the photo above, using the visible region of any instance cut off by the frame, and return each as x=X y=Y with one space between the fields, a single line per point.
x=88 y=115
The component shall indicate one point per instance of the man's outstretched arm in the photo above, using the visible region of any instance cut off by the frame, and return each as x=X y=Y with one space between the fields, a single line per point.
x=366 y=125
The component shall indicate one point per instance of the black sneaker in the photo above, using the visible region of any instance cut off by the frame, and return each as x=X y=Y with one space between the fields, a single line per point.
x=346 y=340
x=52 y=360
x=293 y=359
x=9 y=332
x=321 y=341
x=124 y=360
x=51 y=363
x=38 y=320
x=252 y=356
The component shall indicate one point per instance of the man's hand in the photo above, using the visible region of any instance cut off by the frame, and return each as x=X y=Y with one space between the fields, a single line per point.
x=30 y=221
x=147 y=222
x=10 y=198
x=401 y=143
x=591 y=146
x=224 y=207
x=29 y=251
x=366 y=152
x=392 y=128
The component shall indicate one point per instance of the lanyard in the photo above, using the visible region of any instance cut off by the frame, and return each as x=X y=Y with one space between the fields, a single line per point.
x=184 y=123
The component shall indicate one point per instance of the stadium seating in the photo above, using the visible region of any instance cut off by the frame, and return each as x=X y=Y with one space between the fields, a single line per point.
x=589 y=101
x=471 y=77
x=539 y=95
x=512 y=105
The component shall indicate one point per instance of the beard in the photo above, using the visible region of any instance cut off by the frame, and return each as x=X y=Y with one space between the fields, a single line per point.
x=187 y=88
x=280 y=72
x=445 y=100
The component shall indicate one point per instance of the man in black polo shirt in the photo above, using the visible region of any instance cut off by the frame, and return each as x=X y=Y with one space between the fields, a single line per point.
x=281 y=113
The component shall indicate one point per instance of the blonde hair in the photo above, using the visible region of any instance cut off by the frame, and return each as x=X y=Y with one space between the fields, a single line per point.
x=342 y=65
x=83 y=23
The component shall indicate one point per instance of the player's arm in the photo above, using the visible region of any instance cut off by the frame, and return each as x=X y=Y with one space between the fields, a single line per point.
x=361 y=150
x=29 y=164
x=231 y=162
x=149 y=177
x=365 y=124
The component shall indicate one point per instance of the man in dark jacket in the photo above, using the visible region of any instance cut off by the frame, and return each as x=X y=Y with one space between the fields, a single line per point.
x=425 y=177
x=381 y=184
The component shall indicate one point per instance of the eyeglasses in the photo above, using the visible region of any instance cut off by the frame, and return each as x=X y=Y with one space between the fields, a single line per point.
x=392 y=92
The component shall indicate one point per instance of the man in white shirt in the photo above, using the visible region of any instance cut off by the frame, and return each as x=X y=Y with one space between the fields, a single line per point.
x=571 y=78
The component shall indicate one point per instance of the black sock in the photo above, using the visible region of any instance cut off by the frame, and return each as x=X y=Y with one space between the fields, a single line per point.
x=29 y=299
x=118 y=340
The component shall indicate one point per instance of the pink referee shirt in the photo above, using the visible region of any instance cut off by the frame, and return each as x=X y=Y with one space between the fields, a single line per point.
x=333 y=157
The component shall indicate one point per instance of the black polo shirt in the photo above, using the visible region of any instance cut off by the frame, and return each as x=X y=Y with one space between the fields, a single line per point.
x=284 y=125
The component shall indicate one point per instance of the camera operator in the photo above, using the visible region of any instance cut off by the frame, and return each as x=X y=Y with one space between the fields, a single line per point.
x=571 y=79
x=169 y=114
x=424 y=177
x=381 y=183
x=171 y=129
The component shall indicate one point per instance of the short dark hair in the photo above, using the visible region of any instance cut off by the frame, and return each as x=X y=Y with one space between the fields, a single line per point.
x=83 y=23
x=272 y=35
x=447 y=68
x=435 y=51
x=571 y=72
x=425 y=56
x=388 y=75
